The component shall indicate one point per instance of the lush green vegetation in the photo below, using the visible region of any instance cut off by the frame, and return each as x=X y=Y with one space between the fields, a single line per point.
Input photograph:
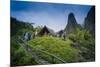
x=20 y=56
x=86 y=43
x=55 y=46
x=78 y=46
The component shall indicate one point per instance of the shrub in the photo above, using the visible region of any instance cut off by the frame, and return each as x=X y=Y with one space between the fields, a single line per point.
x=86 y=43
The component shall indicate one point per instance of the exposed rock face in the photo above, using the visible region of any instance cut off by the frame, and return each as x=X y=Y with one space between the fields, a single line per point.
x=89 y=23
x=72 y=24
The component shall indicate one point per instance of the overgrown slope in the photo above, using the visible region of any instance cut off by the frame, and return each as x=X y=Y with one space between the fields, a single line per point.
x=55 y=46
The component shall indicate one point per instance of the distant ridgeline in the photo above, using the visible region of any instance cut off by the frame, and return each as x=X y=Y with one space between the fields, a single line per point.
x=19 y=27
x=46 y=31
x=72 y=25
x=89 y=22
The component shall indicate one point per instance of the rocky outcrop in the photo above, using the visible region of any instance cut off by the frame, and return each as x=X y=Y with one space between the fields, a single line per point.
x=89 y=22
x=46 y=31
x=72 y=24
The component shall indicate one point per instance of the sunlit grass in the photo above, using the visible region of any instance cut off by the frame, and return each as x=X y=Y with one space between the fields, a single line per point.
x=55 y=46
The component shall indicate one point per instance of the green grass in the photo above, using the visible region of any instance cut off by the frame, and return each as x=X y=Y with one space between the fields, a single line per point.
x=55 y=46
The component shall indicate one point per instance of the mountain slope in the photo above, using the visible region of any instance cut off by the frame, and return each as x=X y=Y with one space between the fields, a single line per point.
x=89 y=23
x=72 y=24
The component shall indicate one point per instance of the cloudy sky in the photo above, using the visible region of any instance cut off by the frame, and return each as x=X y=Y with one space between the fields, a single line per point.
x=54 y=16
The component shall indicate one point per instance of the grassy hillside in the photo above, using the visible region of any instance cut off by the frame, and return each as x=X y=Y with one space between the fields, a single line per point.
x=79 y=46
x=55 y=46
